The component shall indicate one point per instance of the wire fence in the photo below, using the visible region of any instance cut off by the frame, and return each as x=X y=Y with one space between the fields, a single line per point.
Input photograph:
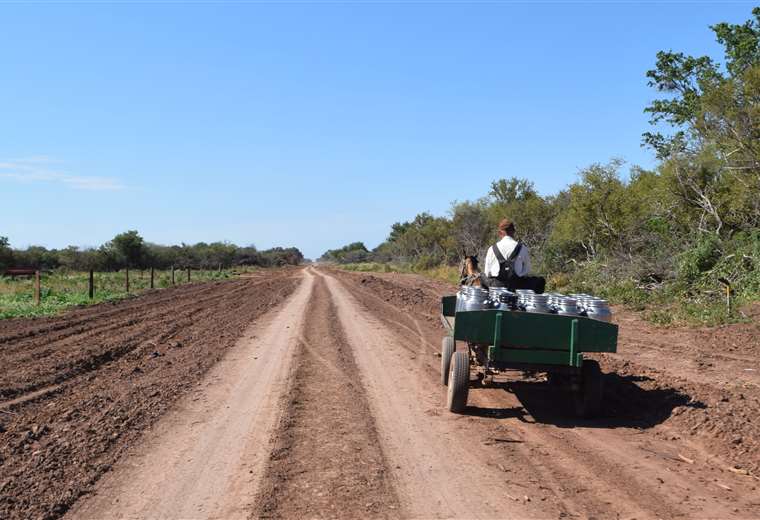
x=32 y=292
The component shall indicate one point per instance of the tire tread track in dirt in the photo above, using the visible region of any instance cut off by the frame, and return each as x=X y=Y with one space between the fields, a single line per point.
x=326 y=460
x=56 y=444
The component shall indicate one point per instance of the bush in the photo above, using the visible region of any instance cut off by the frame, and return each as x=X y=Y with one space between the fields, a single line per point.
x=425 y=262
x=701 y=258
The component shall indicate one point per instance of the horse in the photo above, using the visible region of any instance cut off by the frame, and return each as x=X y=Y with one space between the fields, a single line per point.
x=469 y=274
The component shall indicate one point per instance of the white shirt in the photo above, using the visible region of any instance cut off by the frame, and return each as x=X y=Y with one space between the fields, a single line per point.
x=506 y=245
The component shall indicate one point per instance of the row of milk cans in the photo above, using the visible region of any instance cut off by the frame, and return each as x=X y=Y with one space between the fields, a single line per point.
x=471 y=298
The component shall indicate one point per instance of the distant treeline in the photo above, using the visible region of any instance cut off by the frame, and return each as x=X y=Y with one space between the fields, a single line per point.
x=692 y=220
x=130 y=250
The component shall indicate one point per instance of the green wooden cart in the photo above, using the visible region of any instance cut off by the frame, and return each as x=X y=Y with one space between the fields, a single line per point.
x=500 y=340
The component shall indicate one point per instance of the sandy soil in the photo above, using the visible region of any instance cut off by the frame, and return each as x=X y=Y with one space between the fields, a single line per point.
x=323 y=400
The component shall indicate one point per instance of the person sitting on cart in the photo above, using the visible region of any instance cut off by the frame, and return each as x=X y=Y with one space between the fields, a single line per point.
x=508 y=262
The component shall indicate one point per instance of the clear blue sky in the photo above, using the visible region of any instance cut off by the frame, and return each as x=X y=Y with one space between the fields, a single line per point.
x=312 y=124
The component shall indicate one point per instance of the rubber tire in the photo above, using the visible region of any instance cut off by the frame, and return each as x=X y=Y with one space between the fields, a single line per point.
x=459 y=382
x=588 y=401
x=448 y=346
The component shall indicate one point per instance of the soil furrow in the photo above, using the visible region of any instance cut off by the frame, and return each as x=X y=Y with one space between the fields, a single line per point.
x=79 y=353
x=12 y=330
x=19 y=328
x=122 y=315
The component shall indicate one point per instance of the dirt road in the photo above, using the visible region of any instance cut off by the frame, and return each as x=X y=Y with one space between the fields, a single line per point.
x=329 y=405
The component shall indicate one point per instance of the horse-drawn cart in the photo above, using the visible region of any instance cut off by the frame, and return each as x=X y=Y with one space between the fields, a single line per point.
x=500 y=340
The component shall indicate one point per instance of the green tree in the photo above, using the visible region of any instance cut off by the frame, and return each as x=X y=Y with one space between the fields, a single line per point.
x=596 y=217
x=350 y=253
x=470 y=226
x=6 y=253
x=280 y=256
x=712 y=155
x=507 y=191
x=129 y=248
x=533 y=215
x=37 y=256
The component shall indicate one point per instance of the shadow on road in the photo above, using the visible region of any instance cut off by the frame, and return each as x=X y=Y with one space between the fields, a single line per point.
x=626 y=404
x=496 y=413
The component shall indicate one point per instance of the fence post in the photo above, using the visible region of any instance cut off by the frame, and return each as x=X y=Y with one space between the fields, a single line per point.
x=220 y=267
x=36 y=287
x=92 y=284
x=126 y=279
x=188 y=274
x=151 y=278
x=172 y=274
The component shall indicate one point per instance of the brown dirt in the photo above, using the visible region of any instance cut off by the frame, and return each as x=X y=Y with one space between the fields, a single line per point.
x=705 y=380
x=709 y=380
x=679 y=431
x=331 y=406
x=326 y=460
x=443 y=465
x=107 y=373
x=205 y=456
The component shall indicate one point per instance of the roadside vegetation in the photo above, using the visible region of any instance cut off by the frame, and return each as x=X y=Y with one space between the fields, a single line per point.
x=657 y=240
x=65 y=272
x=446 y=273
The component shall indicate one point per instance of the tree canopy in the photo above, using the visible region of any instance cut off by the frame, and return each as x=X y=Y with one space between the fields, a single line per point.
x=711 y=154
x=129 y=249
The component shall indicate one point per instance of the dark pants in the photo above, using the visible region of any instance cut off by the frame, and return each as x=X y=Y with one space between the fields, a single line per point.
x=536 y=283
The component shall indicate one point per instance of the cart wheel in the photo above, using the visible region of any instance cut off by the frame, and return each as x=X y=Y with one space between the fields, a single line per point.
x=448 y=346
x=588 y=400
x=459 y=381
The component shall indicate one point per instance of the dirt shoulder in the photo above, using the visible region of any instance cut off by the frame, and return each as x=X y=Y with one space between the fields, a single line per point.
x=81 y=388
x=703 y=382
